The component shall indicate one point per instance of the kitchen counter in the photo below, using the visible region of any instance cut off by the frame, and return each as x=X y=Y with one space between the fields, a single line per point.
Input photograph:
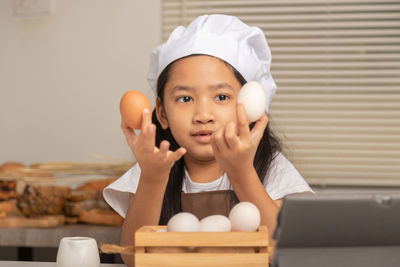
x=41 y=244
x=50 y=237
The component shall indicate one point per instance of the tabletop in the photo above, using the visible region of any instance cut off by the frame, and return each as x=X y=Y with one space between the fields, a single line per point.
x=50 y=237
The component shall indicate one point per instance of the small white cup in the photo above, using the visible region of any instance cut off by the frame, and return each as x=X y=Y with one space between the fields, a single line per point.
x=78 y=252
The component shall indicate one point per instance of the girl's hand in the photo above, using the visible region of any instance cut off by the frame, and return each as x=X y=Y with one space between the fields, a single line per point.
x=153 y=161
x=235 y=146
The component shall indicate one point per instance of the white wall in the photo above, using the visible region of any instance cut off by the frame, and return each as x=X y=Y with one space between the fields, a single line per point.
x=62 y=76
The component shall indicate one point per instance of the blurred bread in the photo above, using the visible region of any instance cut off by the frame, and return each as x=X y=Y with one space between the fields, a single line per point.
x=75 y=208
x=7 y=206
x=91 y=190
x=43 y=200
x=8 y=195
x=15 y=170
x=97 y=216
x=82 y=195
x=8 y=189
x=71 y=220
x=34 y=171
x=11 y=169
x=97 y=185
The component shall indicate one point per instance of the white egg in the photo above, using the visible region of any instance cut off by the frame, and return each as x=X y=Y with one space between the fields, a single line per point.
x=253 y=97
x=215 y=223
x=245 y=216
x=183 y=222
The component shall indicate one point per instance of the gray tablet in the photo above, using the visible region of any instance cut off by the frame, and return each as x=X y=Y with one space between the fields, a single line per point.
x=359 y=227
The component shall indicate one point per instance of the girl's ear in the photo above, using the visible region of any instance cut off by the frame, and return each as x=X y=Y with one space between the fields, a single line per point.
x=161 y=115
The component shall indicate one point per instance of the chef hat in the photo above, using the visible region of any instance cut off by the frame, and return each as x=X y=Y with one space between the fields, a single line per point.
x=225 y=37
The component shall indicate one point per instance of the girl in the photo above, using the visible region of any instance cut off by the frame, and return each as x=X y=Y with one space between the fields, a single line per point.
x=197 y=152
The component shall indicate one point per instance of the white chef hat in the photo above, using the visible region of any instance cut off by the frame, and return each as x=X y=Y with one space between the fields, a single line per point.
x=225 y=37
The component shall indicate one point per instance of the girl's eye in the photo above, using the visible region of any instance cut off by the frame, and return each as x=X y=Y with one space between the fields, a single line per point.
x=184 y=99
x=222 y=98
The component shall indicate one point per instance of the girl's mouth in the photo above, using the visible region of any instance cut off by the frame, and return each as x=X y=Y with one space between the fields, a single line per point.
x=203 y=137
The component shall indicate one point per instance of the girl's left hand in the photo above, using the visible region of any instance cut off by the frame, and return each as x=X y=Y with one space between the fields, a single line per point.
x=235 y=147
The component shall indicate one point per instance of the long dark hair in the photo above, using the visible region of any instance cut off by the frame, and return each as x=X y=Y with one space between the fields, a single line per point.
x=266 y=151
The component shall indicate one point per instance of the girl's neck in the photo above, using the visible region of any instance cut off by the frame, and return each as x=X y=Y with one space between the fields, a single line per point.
x=203 y=171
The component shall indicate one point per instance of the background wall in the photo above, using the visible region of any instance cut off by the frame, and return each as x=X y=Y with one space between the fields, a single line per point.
x=337 y=67
x=62 y=76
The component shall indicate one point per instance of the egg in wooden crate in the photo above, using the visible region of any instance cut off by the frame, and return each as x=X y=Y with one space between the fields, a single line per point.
x=186 y=241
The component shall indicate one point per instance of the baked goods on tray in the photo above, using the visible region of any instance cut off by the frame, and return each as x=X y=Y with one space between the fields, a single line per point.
x=98 y=216
x=42 y=200
x=51 y=194
x=8 y=189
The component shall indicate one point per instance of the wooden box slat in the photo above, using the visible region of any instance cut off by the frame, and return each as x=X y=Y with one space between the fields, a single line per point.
x=156 y=247
x=201 y=260
x=207 y=239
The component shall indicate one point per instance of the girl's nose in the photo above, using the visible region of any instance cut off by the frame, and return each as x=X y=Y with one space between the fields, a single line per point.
x=203 y=112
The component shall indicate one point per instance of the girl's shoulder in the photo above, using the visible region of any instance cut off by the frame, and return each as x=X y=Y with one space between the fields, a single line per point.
x=284 y=179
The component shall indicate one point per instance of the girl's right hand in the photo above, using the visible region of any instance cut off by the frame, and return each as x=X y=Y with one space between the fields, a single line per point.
x=154 y=162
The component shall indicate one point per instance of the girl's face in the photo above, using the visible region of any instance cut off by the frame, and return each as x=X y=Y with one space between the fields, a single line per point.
x=200 y=96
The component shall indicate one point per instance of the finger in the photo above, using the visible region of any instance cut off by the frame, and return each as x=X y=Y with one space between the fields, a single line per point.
x=129 y=133
x=218 y=139
x=214 y=146
x=148 y=137
x=125 y=128
x=231 y=138
x=243 y=124
x=259 y=128
x=164 y=147
x=178 y=153
x=146 y=119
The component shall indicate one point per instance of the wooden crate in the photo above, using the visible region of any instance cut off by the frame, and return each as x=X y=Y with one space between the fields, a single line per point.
x=156 y=247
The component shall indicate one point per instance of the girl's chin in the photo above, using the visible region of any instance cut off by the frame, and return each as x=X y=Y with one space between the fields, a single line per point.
x=204 y=156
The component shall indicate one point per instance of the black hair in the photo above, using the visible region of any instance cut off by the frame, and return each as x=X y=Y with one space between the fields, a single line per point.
x=266 y=151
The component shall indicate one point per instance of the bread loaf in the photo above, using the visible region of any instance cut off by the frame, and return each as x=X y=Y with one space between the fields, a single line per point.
x=91 y=190
x=10 y=209
x=42 y=200
x=75 y=208
x=82 y=195
x=11 y=169
x=7 y=206
x=97 y=185
x=71 y=220
x=97 y=216
x=8 y=189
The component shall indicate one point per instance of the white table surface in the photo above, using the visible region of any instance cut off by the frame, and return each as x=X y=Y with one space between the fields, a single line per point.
x=45 y=264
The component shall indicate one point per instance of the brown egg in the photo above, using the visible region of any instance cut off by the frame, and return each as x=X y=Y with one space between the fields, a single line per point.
x=131 y=107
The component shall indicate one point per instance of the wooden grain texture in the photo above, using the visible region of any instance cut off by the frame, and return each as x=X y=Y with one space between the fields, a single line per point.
x=147 y=236
x=156 y=247
x=201 y=260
